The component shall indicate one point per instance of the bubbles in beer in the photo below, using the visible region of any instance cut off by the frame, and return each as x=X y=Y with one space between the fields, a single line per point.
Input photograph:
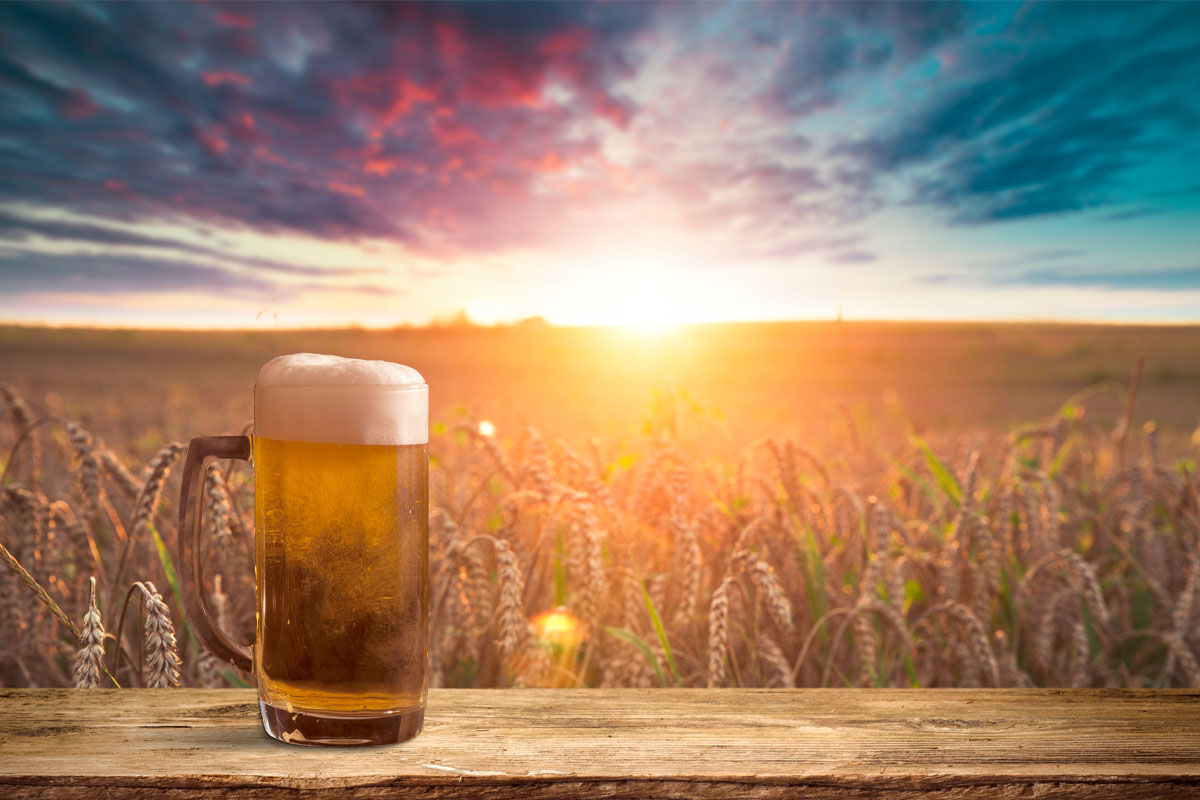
x=342 y=564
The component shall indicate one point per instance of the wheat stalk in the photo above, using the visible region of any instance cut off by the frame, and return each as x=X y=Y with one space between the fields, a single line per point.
x=1185 y=605
x=970 y=483
x=779 y=608
x=514 y=627
x=865 y=639
x=17 y=407
x=1081 y=674
x=978 y=646
x=162 y=655
x=156 y=477
x=86 y=555
x=208 y=665
x=1186 y=658
x=89 y=469
x=688 y=556
x=537 y=466
x=718 y=632
x=773 y=658
x=37 y=589
x=89 y=658
x=120 y=473
x=1080 y=574
x=216 y=509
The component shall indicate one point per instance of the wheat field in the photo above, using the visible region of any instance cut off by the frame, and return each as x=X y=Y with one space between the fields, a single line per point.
x=1062 y=552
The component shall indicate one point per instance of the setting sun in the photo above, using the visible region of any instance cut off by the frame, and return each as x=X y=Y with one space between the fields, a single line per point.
x=647 y=291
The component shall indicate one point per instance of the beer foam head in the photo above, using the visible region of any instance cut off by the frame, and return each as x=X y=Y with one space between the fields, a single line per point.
x=307 y=397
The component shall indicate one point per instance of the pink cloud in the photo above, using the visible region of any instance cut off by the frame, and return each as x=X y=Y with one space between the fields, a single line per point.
x=78 y=104
x=213 y=140
x=224 y=78
x=347 y=189
x=235 y=20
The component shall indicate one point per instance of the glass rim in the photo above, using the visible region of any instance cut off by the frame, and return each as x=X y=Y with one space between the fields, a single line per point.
x=400 y=387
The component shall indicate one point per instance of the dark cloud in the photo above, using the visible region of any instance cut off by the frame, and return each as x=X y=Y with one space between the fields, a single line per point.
x=832 y=43
x=91 y=274
x=395 y=121
x=122 y=274
x=19 y=227
x=1054 y=125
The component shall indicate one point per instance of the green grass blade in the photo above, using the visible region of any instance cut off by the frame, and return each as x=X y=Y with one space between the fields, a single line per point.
x=920 y=482
x=662 y=633
x=910 y=671
x=941 y=473
x=560 y=573
x=172 y=574
x=636 y=641
x=234 y=679
x=814 y=582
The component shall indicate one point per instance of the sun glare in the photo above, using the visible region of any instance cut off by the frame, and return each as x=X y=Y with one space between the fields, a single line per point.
x=649 y=294
x=646 y=305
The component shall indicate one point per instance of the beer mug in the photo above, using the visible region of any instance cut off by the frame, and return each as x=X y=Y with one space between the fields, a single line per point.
x=341 y=509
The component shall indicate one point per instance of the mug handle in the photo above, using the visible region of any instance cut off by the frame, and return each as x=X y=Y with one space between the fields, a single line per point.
x=200 y=450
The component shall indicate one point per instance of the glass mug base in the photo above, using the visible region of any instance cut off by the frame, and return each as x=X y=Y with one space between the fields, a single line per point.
x=340 y=730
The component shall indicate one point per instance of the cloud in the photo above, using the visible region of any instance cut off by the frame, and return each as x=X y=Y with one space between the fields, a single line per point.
x=121 y=274
x=852 y=257
x=834 y=43
x=279 y=117
x=757 y=132
x=1049 y=127
x=1177 y=279
x=20 y=228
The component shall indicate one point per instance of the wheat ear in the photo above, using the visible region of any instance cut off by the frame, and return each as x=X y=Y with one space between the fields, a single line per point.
x=162 y=655
x=89 y=469
x=779 y=608
x=772 y=656
x=216 y=509
x=718 y=632
x=90 y=656
x=537 y=466
x=147 y=502
x=120 y=473
x=514 y=628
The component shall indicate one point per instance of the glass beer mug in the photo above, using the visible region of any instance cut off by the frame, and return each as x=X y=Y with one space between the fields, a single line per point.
x=341 y=471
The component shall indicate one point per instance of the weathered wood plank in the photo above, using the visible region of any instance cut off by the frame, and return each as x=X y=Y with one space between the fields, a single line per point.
x=819 y=743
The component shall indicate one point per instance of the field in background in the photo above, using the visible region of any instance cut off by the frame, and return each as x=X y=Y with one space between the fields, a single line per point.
x=139 y=388
x=751 y=505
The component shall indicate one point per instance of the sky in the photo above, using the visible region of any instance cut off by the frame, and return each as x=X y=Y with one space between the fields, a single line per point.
x=248 y=165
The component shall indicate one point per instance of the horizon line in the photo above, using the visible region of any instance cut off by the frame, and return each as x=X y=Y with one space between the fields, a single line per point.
x=665 y=330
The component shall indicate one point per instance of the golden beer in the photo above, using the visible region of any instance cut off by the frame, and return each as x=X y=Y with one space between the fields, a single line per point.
x=342 y=566
x=341 y=496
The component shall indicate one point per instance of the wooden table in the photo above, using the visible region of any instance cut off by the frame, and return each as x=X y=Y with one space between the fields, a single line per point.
x=685 y=743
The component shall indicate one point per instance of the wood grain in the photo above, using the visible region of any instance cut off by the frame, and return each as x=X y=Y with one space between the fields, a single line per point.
x=686 y=743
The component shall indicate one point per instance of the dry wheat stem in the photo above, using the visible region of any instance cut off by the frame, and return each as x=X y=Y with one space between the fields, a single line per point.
x=37 y=589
